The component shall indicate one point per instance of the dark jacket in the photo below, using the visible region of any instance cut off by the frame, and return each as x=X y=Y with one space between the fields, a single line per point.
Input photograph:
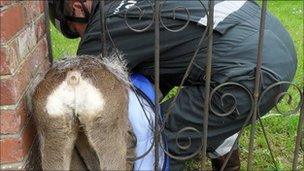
x=232 y=58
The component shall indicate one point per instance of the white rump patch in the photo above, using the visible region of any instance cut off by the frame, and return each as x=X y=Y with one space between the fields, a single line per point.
x=75 y=94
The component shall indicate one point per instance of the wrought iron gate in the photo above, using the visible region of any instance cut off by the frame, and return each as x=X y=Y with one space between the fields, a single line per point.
x=255 y=96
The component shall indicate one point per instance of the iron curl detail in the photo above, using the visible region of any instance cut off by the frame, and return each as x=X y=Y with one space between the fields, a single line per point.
x=174 y=16
x=226 y=95
x=283 y=94
x=185 y=146
x=141 y=14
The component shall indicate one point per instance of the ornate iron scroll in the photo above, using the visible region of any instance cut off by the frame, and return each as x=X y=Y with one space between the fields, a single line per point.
x=255 y=97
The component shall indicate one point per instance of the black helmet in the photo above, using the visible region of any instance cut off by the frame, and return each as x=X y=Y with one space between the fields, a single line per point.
x=60 y=19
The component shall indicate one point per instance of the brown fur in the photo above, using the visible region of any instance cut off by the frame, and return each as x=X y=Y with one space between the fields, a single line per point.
x=107 y=132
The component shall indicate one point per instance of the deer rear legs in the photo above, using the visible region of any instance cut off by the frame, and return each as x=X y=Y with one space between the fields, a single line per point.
x=57 y=143
x=109 y=142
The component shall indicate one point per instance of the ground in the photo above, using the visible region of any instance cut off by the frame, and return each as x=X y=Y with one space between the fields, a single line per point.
x=281 y=129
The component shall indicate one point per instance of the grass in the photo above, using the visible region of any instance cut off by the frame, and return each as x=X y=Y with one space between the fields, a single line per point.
x=61 y=45
x=281 y=129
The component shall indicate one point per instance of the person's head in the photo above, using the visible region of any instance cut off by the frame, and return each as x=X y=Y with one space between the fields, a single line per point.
x=70 y=16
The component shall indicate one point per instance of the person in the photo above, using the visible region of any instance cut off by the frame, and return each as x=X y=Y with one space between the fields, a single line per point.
x=235 y=43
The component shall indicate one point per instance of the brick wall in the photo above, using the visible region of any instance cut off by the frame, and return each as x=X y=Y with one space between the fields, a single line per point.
x=23 y=57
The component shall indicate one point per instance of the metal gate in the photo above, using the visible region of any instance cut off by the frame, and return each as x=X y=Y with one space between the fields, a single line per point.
x=256 y=96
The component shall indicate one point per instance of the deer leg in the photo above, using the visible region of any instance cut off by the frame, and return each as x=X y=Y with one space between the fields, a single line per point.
x=108 y=139
x=57 y=143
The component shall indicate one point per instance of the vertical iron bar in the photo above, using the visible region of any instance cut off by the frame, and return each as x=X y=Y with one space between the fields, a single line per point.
x=208 y=78
x=268 y=144
x=103 y=28
x=299 y=136
x=257 y=83
x=48 y=33
x=156 y=82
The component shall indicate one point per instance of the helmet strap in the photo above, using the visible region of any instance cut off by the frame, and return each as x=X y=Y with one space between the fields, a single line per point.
x=76 y=19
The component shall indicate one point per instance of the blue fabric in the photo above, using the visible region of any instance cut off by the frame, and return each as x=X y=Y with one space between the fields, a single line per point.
x=141 y=83
x=144 y=85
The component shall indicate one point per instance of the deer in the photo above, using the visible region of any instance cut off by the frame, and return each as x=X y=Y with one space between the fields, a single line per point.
x=86 y=93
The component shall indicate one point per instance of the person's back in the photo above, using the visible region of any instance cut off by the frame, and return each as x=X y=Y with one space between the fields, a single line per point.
x=233 y=28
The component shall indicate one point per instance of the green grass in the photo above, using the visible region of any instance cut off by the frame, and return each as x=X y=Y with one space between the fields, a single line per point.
x=61 y=45
x=281 y=129
x=290 y=13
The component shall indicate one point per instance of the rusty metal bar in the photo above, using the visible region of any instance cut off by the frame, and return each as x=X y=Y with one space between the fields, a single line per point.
x=299 y=136
x=156 y=82
x=208 y=80
x=268 y=142
x=184 y=77
x=257 y=84
x=103 y=28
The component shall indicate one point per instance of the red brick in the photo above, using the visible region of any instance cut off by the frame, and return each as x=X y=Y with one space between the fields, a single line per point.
x=15 y=149
x=41 y=6
x=6 y=2
x=12 y=121
x=11 y=21
x=40 y=28
x=9 y=58
x=27 y=40
x=12 y=88
x=11 y=150
x=4 y=67
x=32 y=10
x=27 y=52
x=30 y=36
